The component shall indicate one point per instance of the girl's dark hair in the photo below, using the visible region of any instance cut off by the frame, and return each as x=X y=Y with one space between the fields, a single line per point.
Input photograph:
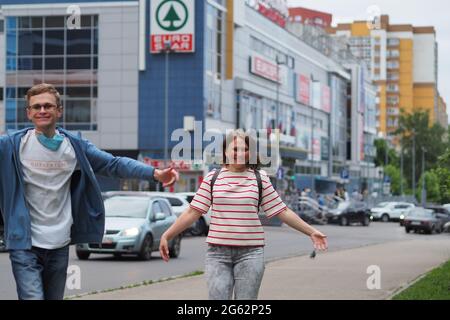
x=250 y=142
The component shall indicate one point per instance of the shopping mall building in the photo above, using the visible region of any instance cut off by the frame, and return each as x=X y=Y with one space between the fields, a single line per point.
x=230 y=64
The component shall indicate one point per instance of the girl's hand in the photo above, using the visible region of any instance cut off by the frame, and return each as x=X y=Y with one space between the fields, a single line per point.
x=164 y=249
x=319 y=240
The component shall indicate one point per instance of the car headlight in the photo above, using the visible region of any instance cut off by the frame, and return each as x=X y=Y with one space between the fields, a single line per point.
x=402 y=217
x=133 y=232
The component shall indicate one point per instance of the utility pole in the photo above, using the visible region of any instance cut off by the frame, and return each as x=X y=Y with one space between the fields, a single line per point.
x=414 y=164
x=424 y=191
x=167 y=49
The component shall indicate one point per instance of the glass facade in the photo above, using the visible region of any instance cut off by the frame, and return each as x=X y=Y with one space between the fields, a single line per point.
x=339 y=119
x=44 y=49
x=214 y=60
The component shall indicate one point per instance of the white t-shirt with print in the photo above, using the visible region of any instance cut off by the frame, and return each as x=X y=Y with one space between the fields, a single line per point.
x=47 y=175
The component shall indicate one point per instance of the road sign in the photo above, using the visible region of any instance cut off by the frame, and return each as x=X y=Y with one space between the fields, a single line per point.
x=173 y=21
x=280 y=173
x=344 y=174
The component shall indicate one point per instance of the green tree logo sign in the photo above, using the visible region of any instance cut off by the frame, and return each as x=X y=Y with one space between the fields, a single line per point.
x=172 y=15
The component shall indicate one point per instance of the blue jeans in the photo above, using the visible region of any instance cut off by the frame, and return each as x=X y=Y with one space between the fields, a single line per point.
x=40 y=274
x=238 y=269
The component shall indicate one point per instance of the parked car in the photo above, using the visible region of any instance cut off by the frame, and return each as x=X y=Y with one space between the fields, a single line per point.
x=447 y=227
x=389 y=211
x=443 y=212
x=134 y=224
x=403 y=217
x=348 y=212
x=2 y=234
x=201 y=226
x=424 y=220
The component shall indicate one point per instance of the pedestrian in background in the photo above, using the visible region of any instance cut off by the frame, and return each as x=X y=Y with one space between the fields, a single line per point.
x=235 y=254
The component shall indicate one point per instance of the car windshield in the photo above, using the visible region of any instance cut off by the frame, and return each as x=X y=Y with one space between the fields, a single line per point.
x=422 y=213
x=381 y=205
x=126 y=207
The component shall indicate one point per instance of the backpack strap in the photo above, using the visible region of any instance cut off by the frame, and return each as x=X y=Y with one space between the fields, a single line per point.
x=259 y=181
x=213 y=180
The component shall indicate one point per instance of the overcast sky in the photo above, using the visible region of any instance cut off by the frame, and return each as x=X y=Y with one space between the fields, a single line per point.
x=416 y=12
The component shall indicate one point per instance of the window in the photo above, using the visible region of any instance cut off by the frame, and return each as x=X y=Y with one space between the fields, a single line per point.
x=392 y=88
x=43 y=47
x=393 y=65
x=166 y=209
x=393 y=53
x=270 y=52
x=393 y=42
x=393 y=100
x=174 y=202
x=214 y=60
x=156 y=208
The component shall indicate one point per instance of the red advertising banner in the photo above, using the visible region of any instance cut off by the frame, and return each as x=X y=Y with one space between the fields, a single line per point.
x=303 y=89
x=326 y=99
x=178 y=42
x=264 y=69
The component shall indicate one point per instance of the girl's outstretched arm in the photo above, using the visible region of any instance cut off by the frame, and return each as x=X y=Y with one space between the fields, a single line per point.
x=184 y=221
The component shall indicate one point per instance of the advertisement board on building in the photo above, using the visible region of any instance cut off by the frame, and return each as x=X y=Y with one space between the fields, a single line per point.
x=274 y=10
x=316 y=149
x=361 y=136
x=302 y=89
x=172 y=21
x=326 y=99
x=268 y=69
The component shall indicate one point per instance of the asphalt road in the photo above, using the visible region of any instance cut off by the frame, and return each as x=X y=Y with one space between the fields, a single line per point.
x=103 y=272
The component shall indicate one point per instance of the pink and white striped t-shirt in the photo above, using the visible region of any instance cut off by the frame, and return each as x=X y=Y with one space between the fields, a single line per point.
x=234 y=213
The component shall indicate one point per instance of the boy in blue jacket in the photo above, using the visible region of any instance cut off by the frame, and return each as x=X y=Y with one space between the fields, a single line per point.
x=50 y=197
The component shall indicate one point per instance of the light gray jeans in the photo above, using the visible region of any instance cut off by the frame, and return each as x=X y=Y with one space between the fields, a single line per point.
x=238 y=268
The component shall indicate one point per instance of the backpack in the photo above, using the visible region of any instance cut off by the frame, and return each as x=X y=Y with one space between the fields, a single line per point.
x=258 y=180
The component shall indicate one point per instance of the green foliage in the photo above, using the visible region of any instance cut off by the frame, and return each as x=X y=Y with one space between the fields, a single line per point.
x=395 y=175
x=434 y=286
x=415 y=132
x=433 y=193
x=443 y=175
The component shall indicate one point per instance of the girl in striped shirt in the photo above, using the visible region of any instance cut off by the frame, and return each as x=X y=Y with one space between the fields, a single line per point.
x=235 y=255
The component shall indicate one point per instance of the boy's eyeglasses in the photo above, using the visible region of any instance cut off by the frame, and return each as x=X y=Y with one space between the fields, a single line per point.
x=38 y=107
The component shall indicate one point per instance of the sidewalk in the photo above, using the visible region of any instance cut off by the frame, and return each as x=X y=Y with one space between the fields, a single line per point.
x=333 y=275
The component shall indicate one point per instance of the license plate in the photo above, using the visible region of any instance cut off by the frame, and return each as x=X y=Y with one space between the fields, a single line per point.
x=107 y=241
x=415 y=223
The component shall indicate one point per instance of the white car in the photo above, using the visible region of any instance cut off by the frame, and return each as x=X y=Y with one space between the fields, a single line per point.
x=386 y=211
x=201 y=227
x=178 y=202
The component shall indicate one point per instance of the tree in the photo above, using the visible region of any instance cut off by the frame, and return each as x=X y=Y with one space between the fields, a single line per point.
x=431 y=186
x=443 y=175
x=414 y=128
x=394 y=174
x=380 y=160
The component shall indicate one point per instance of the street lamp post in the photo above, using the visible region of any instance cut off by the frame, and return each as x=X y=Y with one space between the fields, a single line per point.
x=277 y=116
x=167 y=49
x=401 y=168
x=313 y=178
x=414 y=163
x=424 y=191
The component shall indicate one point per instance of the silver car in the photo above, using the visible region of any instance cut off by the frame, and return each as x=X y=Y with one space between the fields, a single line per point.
x=134 y=224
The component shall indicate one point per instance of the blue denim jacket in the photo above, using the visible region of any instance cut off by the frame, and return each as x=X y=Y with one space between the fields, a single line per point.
x=87 y=204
